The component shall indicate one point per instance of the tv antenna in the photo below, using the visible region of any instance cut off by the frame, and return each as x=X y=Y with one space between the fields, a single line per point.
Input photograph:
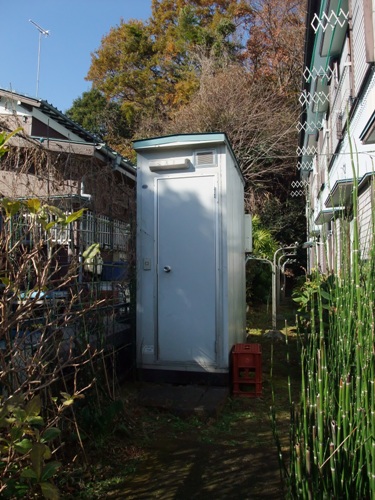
x=45 y=33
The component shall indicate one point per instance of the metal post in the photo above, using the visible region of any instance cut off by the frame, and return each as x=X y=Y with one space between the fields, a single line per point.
x=278 y=281
x=274 y=289
x=283 y=256
x=275 y=269
x=38 y=67
x=45 y=33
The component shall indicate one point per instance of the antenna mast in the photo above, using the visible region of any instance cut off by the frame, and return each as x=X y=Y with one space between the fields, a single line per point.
x=45 y=33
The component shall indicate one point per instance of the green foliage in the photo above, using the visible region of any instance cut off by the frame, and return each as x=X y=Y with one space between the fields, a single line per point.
x=34 y=354
x=194 y=29
x=258 y=282
x=100 y=421
x=87 y=109
x=125 y=70
x=285 y=218
x=264 y=242
x=201 y=66
x=47 y=331
x=333 y=427
x=91 y=252
x=26 y=463
x=258 y=273
x=4 y=138
x=42 y=213
x=151 y=68
x=100 y=116
x=312 y=296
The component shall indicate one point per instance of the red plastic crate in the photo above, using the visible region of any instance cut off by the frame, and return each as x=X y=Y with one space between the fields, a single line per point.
x=247 y=370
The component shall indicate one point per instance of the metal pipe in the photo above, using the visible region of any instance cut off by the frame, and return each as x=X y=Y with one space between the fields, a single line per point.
x=274 y=268
x=278 y=288
x=274 y=283
x=45 y=33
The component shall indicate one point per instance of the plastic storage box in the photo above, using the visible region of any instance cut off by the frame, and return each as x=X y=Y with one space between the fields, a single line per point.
x=247 y=370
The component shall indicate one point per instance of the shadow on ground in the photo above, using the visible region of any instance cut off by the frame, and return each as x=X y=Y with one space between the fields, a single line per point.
x=230 y=456
x=196 y=470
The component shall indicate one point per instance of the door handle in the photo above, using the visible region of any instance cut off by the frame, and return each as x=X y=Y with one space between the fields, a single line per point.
x=167 y=269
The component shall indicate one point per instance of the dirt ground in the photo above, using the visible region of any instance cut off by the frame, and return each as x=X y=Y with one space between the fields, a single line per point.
x=232 y=456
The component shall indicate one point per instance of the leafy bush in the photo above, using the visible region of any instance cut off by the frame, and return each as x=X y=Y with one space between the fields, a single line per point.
x=314 y=295
x=41 y=353
x=26 y=464
x=259 y=273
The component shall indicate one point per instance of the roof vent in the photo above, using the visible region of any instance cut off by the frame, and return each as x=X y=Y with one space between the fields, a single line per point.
x=204 y=158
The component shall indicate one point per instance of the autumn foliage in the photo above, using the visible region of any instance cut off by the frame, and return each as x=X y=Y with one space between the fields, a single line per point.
x=200 y=65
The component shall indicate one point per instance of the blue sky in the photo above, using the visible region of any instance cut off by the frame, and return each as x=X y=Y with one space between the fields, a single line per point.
x=76 y=28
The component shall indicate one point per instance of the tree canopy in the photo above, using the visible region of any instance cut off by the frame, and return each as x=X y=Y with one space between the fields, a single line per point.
x=154 y=66
x=232 y=66
x=102 y=117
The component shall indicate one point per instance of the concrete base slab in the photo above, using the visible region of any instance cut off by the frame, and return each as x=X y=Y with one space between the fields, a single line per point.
x=185 y=378
x=184 y=400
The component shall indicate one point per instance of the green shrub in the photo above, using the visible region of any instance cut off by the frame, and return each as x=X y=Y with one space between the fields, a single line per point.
x=26 y=464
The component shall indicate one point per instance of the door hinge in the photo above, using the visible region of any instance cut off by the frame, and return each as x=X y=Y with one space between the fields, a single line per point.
x=214 y=192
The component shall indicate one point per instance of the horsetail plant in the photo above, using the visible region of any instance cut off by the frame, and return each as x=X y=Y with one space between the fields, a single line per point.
x=332 y=434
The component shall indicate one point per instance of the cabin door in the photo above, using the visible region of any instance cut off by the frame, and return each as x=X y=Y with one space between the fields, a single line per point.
x=186 y=268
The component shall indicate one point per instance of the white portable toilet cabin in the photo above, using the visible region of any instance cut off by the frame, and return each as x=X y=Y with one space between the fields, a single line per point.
x=190 y=257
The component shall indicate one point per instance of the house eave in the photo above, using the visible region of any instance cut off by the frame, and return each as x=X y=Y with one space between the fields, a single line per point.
x=340 y=194
x=327 y=215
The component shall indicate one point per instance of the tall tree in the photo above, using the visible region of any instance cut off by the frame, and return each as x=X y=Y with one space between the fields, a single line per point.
x=154 y=67
x=87 y=110
x=150 y=67
x=103 y=118
x=204 y=65
x=125 y=68
x=274 y=49
x=260 y=125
